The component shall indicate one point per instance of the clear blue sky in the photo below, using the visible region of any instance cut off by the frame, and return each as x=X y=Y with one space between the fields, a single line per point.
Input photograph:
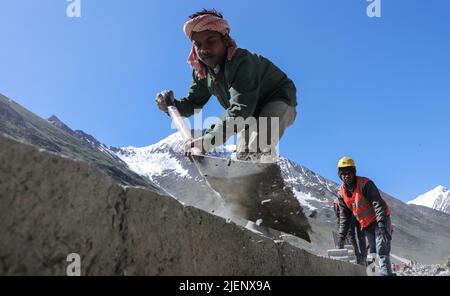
x=376 y=89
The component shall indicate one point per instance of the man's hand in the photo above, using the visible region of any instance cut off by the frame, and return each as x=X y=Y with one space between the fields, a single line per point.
x=384 y=232
x=194 y=146
x=160 y=100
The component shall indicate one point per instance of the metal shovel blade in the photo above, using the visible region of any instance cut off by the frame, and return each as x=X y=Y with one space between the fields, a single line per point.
x=256 y=192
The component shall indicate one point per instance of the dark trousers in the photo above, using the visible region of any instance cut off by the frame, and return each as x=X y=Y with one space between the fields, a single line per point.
x=380 y=247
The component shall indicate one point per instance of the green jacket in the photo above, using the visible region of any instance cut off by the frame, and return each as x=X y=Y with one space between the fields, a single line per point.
x=244 y=85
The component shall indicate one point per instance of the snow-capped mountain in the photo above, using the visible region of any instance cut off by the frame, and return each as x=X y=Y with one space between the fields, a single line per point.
x=437 y=199
x=156 y=160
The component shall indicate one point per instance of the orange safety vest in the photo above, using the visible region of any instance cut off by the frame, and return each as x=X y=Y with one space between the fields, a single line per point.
x=359 y=205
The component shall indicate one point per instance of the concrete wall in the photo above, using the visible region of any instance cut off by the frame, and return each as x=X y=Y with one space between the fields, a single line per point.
x=51 y=206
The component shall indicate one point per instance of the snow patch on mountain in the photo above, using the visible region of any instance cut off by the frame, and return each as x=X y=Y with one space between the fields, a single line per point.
x=304 y=198
x=155 y=160
x=164 y=158
x=149 y=164
x=437 y=199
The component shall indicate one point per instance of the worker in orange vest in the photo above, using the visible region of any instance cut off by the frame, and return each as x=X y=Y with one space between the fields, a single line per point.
x=360 y=198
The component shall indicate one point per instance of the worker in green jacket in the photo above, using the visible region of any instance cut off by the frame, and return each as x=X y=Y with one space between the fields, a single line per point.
x=247 y=85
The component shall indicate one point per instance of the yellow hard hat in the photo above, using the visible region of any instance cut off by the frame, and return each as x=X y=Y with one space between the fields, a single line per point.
x=345 y=162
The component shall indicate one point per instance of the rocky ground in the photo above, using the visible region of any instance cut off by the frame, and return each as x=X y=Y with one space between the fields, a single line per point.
x=424 y=270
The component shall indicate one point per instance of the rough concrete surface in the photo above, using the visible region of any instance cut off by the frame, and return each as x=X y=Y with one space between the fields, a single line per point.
x=51 y=206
